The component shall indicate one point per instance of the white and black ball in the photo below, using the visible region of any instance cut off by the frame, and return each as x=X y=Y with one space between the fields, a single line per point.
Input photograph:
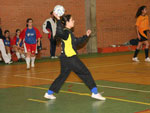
x=59 y=10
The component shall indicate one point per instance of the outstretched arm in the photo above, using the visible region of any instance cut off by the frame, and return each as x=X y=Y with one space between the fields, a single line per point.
x=81 y=40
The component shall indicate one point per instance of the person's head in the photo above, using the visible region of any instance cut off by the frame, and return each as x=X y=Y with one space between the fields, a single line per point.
x=6 y=33
x=68 y=21
x=18 y=32
x=29 y=22
x=141 y=11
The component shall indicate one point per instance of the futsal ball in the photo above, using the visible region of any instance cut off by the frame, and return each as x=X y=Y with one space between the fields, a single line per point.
x=59 y=10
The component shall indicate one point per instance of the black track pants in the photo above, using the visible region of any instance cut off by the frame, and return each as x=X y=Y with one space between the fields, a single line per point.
x=72 y=64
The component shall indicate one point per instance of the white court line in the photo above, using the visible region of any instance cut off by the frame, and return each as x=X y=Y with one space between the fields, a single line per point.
x=127 y=89
x=58 y=70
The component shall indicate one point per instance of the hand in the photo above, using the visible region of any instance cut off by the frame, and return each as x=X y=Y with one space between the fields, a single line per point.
x=88 y=32
x=56 y=16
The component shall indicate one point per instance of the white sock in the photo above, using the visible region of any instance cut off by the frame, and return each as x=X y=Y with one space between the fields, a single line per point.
x=28 y=62
x=18 y=55
x=9 y=55
x=23 y=56
x=32 y=60
x=0 y=59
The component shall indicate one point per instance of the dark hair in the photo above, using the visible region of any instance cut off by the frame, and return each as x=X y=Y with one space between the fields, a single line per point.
x=51 y=13
x=6 y=31
x=17 y=30
x=1 y=33
x=65 y=19
x=27 y=21
x=139 y=11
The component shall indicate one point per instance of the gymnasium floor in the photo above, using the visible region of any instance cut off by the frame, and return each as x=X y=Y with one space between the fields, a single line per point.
x=124 y=83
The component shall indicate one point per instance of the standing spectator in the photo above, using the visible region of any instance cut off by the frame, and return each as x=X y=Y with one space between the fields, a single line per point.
x=49 y=27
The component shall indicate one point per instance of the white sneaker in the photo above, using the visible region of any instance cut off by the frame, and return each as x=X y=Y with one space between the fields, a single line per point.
x=10 y=62
x=98 y=96
x=147 y=59
x=52 y=57
x=135 y=59
x=32 y=65
x=28 y=66
x=51 y=97
x=56 y=56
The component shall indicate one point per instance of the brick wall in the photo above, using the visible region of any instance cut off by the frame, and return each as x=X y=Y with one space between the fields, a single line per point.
x=116 y=20
x=13 y=14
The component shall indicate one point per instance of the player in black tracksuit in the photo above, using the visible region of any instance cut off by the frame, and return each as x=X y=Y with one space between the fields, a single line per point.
x=69 y=60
